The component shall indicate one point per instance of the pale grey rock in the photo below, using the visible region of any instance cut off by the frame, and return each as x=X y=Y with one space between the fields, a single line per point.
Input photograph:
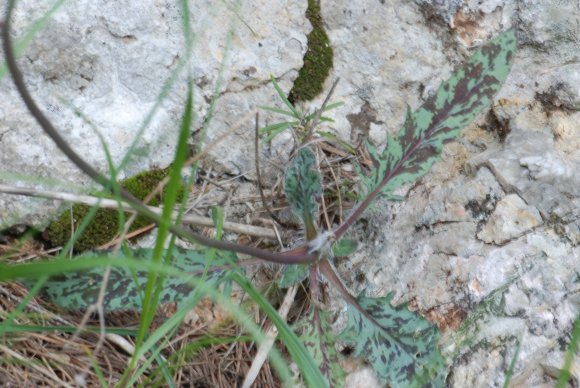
x=511 y=219
x=455 y=239
x=549 y=168
x=565 y=92
x=362 y=378
x=111 y=61
x=530 y=165
x=516 y=301
x=396 y=64
x=553 y=363
x=475 y=200
x=424 y=249
x=519 y=195
x=471 y=21
x=448 y=10
x=476 y=370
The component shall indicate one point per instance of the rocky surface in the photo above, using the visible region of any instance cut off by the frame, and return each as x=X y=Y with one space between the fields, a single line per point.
x=111 y=61
x=486 y=245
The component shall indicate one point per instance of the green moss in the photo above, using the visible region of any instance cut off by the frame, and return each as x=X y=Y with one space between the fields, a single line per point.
x=317 y=60
x=105 y=224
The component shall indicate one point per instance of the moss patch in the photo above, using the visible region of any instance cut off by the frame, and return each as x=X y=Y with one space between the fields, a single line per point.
x=317 y=60
x=105 y=224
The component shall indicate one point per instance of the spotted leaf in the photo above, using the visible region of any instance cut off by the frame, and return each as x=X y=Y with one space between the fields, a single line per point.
x=315 y=332
x=400 y=345
x=410 y=154
x=303 y=186
x=78 y=290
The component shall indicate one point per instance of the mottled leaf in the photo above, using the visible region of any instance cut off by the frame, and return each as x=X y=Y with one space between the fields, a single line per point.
x=293 y=274
x=402 y=350
x=315 y=332
x=78 y=290
x=411 y=153
x=303 y=185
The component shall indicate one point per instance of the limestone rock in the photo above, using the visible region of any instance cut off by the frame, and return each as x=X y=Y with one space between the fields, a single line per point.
x=511 y=179
x=512 y=218
x=112 y=60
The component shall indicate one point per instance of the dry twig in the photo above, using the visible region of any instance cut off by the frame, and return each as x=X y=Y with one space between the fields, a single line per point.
x=113 y=204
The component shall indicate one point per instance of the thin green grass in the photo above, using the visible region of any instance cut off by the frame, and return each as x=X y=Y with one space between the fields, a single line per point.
x=570 y=354
x=98 y=370
x=147 y=344
x=510 y=371
x=155 y=283
x=57 y=266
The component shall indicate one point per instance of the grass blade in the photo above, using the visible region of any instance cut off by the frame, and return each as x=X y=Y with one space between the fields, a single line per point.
x=284 y=98
x=278 y=110
x=154 y=283
x=570 y=353
x=299 y=354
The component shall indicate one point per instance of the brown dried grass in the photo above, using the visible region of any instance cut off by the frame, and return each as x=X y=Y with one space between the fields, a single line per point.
x=44 y=357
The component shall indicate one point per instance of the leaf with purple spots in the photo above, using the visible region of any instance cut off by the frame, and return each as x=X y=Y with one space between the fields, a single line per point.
x=315 y=332
x=410 y=154
x=79 y=290
x=400 y=345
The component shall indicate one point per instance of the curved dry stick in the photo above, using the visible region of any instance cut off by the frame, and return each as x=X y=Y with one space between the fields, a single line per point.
x=113 y=186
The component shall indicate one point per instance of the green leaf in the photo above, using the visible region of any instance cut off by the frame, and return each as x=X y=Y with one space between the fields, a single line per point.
x=293 y=274
x=303 y=185
x=79 y=290
x=333 y=105
x=402 y=350
x=217 y=215
x=279 y=126
x=274 y=129
x=315 y=332
x=277 y=110
x=411 y=153
x=283 y=97
x=328 y=107
x=344 y=247
x=38 y=269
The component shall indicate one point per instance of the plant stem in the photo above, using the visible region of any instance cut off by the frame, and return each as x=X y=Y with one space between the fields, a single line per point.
x=112 y=185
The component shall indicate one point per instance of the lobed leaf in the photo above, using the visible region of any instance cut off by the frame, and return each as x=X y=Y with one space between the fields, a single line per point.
x=411 y=153
x=79 y=290
x=303 y=185
x=315 y=332
x=402 y=350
